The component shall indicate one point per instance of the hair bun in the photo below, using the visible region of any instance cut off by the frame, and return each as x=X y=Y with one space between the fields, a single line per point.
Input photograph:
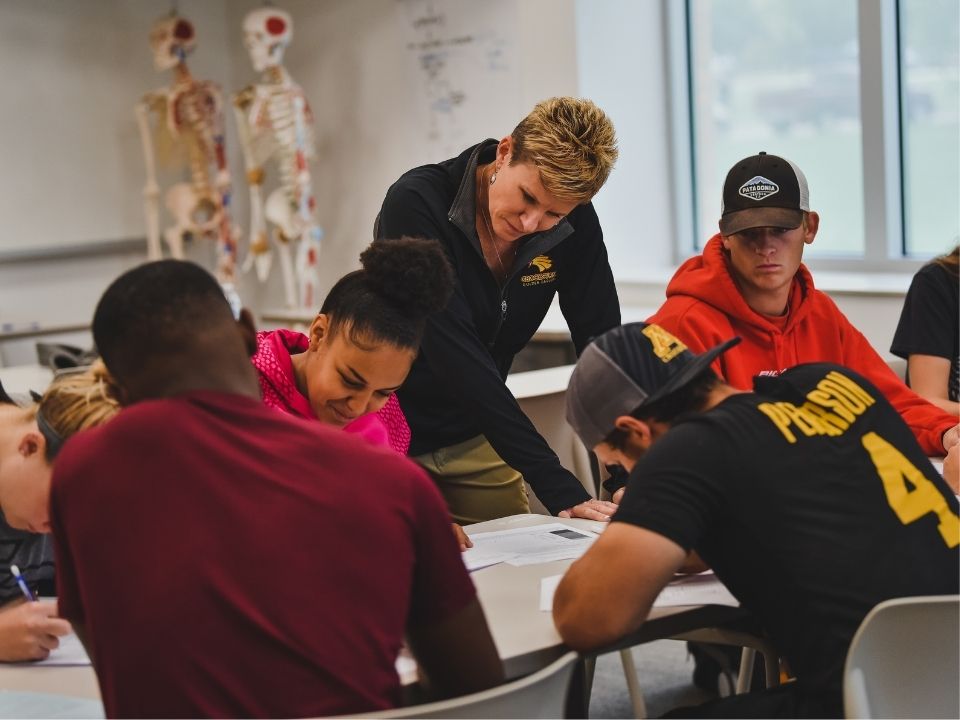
x=412 y=274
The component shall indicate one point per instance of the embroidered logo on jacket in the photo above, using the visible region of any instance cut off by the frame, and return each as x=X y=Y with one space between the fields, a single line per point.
x=543 y=264
x=758 y=187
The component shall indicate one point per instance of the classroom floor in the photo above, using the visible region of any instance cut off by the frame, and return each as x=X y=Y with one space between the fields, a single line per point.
x=664 y=670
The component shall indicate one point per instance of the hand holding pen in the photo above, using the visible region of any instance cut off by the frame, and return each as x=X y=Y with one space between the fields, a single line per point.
x=29 y=630
x=27 y=592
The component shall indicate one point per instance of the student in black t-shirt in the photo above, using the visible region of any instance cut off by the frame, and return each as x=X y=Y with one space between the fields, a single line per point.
x=928 y=334
x=810 y=499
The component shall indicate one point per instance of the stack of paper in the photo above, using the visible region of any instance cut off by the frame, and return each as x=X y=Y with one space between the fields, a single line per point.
x=527 y=545
x=702 y=589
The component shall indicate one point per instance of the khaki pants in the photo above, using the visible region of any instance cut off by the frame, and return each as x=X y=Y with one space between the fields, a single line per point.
x=476 y=483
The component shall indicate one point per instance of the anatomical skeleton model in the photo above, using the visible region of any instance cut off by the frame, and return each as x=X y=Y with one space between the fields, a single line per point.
x=275 y=124
x=188 y=130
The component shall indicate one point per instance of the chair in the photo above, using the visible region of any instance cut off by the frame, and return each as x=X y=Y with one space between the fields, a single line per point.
x=750 y=643
x=904 y=661
x=540 y=695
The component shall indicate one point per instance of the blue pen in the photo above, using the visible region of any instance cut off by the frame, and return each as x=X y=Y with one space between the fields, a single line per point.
x=15 y=571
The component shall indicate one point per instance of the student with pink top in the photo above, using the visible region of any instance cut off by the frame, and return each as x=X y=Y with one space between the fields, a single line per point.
x=361 y=344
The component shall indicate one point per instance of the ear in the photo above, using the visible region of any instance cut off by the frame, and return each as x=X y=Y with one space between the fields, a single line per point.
x=319 y=329
x=812 y=221
x=31 y=444
x=725 y=241
x=248 y=330
x=637 y=428
x=504 y=151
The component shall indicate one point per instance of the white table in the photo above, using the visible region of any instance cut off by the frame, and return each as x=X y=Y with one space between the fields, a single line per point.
x=526 y=637
x=73 y=680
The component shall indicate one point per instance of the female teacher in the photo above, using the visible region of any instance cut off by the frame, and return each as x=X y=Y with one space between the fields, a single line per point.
x=516 y=221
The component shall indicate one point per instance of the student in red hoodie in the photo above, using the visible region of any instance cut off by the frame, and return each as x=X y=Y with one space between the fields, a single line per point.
x=750 y=282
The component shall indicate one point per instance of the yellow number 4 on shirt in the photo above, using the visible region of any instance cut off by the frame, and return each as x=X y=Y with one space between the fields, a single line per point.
x=909 y=505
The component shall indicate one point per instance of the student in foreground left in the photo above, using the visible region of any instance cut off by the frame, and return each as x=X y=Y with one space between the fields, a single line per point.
x=270 y=566
x=31 y=434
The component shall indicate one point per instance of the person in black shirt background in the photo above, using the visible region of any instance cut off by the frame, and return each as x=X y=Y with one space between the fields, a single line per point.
x=928 y=334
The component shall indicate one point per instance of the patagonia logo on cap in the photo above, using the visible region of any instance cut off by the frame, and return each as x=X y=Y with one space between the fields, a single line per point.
x=758 y=187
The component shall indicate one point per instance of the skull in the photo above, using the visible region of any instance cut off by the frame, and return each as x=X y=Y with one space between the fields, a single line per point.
x=171 y=39
x=266 y=33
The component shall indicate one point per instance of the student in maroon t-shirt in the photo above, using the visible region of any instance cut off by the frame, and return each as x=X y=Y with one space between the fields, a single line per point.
x=219 y=558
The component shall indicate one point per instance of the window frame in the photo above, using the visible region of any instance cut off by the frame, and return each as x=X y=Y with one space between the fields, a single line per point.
x=878 y=35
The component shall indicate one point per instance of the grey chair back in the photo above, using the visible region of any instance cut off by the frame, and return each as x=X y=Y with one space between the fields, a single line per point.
x=904 y=660
x=540 y=695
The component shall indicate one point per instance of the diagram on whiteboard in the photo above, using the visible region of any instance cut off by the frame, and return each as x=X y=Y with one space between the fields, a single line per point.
x=459 y=59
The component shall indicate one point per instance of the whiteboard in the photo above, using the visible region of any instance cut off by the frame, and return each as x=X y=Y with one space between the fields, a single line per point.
x=464 y=58
x=72 y=170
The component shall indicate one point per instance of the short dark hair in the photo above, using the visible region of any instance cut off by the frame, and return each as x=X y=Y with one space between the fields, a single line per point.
x=154 y=310
x=690 y=397
x=401 y=282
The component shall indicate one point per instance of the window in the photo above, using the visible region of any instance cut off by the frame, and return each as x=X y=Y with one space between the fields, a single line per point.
x=929 y=98
x=861 y=94
x=782 y=77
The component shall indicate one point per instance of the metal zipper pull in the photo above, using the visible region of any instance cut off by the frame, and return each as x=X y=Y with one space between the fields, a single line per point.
x=503 y=310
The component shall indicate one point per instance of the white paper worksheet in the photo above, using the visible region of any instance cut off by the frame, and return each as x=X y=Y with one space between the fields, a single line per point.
x=527 y=545
x=702 y=589
x=69 y=652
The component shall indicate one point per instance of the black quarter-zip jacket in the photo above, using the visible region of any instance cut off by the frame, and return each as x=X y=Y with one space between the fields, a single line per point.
x=456 y=387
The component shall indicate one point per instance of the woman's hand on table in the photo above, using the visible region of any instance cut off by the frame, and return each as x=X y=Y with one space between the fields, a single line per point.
x=590 y=510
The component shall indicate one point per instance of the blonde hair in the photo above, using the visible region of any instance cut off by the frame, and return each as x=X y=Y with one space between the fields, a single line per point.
x=76 y=401
x=572 y=143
